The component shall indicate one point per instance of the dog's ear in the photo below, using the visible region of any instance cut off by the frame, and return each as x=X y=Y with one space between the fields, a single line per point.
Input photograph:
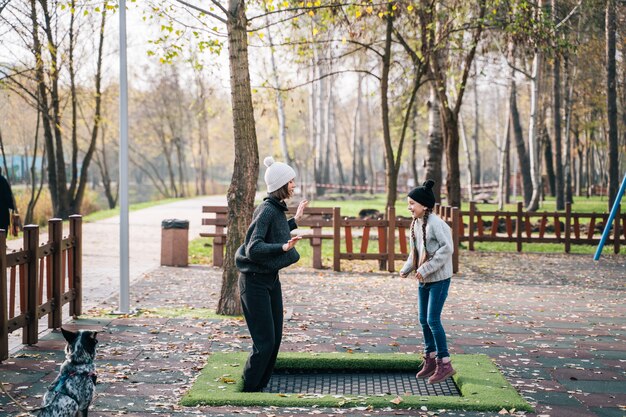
x=93 y=336
x=69 y=335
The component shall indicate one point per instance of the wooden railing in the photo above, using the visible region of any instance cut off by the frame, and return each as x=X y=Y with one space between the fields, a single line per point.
x=54 y=266
x=521 y=227
x=391 y=235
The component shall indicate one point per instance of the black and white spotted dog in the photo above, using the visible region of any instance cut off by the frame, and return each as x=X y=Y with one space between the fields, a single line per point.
x=75 y=386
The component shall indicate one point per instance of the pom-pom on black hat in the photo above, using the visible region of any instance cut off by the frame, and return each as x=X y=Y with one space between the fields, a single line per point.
x=424 y=194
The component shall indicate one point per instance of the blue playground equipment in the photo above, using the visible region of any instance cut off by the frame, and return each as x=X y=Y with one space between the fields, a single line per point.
x=607 y=226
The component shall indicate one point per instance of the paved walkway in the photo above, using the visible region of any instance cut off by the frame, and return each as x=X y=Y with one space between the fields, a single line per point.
x=554 y=324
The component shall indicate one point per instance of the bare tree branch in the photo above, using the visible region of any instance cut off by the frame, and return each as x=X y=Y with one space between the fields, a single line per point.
x=321 y=78
x=206 y=12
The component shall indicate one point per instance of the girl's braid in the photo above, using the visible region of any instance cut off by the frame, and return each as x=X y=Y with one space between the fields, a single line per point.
x=415 y=260
x=424 y=221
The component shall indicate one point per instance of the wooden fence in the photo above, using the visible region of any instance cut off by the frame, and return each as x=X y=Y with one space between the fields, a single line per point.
x=55 y=266
x=521 y=227
x=390 y=235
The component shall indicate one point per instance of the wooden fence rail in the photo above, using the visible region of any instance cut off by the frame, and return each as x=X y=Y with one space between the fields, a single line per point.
x=55 y=266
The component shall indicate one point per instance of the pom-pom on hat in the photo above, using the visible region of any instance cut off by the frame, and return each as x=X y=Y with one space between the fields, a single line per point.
x=424 y=194
x=277 y=174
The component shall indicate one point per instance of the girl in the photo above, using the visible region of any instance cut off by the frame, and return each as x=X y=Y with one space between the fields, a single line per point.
x=431 y=259
x=268 y=247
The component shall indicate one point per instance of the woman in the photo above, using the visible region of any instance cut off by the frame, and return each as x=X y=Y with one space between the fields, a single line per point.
x=431 y=259
x=268 y=248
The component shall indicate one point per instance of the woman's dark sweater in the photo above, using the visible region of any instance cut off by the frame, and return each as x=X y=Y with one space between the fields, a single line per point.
x=262 y=251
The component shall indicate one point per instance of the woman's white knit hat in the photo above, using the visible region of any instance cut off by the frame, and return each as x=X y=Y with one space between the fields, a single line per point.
x=277 y=174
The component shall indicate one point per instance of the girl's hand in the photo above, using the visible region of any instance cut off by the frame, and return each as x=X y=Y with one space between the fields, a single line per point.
x=292 y=242
x=404 y=275
x=419 y=277
x=300 y=210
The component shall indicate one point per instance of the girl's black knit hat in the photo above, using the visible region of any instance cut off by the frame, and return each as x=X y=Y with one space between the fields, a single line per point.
x=424 y=194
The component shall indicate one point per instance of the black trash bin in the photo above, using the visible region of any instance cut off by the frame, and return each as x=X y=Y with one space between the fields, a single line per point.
x=175 y=242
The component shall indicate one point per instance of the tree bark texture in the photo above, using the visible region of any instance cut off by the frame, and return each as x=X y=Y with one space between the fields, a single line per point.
x=533 y=138
x=435 y=143
x=242 y=188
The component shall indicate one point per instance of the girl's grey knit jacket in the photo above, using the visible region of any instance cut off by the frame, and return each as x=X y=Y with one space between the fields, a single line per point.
x=262 y=251
x=440 y=249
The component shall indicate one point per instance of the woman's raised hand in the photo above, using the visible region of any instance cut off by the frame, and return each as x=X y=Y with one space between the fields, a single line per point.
x=300 y=210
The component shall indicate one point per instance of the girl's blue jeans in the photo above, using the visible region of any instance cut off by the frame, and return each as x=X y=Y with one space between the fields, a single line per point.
x=432 y=296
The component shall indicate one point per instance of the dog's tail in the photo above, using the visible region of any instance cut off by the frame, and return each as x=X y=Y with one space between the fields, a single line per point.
x=28 y=411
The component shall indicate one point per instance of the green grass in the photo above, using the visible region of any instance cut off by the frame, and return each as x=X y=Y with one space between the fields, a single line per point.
x=201 y=251
x=542 y=248
x=106 y=214
x=482 y=386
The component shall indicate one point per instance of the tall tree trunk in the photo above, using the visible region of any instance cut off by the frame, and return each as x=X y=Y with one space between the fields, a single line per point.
x=450 y=111
x=414 y=161
x=44 y=108
x=477 y=177
x=368 y=135
x=55 y=99
x=533 y=138
x=103 y=166
x=611 y=100
x=203 y=135
x=569 y=99
x=548 y=157
x=240 y=196
x=332 y=123
x=435 y=142
x=468 y=159
x=316 y=124
x=392 y=180
x=74 y=103
x=77 y=197
x=581 y=161
x=503 y=175
x=556 y=119
x=356 y=133
x=520 y=145
x=326 y=99
x=280 y=104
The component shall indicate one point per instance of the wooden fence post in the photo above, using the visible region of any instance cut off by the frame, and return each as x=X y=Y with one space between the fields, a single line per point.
x=55 y=235
x=391 y=238
x=519 y=226
x=470 y=236
x=31 y=244
x=76 y=231
x=336 y=238
x=456 y=223
x=568 y=226
x=4 y=314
